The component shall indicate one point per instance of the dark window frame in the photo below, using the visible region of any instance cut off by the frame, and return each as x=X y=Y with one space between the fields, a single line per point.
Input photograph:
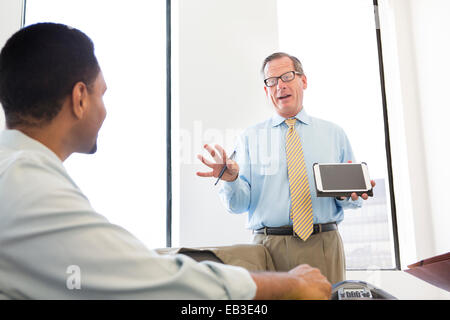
x=387 y=137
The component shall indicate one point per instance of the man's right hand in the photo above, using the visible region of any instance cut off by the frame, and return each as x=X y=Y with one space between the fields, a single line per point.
x=301 y=283
x=312 y=284
x=232 y=171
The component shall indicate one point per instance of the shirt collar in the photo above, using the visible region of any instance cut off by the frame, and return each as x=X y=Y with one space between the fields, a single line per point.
x=17 y=140
x=302 y=116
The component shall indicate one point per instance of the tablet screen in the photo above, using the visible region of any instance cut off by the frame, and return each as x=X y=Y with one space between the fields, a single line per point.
x=342 y=177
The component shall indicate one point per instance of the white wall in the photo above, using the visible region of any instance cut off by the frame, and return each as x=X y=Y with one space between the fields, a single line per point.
x=221 y=48
x=431 y=44
x=416 y=52
x=10 y=22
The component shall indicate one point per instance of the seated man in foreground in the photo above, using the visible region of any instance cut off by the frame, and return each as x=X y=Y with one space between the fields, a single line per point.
x=51 y=89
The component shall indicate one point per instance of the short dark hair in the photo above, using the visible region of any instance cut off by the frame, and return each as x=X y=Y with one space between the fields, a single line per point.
x=39 y=66
x=277 y=55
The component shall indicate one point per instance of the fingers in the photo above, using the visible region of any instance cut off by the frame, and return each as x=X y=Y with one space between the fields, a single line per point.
x=232 y=165
x=205 y=161
x=365 y=196
x=205 y=174
x=326 y=289
x=218 y=158
x=213 y=154
x=314 y=285
x=222 y=151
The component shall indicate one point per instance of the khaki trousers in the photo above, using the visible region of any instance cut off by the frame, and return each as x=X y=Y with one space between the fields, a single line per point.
x=323 y=250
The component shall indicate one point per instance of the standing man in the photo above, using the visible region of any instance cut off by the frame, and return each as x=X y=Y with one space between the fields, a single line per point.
x=272 y=176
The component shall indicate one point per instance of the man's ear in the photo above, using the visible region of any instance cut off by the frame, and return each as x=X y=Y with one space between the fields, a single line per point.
x=304 y=81
x=79 y=100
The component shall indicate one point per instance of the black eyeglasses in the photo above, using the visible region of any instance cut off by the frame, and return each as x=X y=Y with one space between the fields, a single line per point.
x=286 y=77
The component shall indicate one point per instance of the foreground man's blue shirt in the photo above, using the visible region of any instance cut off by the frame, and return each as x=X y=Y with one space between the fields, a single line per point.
x=262 y=188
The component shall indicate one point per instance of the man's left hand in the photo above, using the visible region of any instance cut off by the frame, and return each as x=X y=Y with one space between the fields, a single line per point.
x=354 y=196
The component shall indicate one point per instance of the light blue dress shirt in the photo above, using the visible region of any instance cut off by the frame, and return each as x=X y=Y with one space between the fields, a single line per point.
x=262 y=188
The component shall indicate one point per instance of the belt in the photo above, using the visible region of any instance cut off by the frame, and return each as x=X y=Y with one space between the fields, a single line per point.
x=288 y=231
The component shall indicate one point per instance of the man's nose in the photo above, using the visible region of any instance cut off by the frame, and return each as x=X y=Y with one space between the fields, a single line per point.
x=281 y=84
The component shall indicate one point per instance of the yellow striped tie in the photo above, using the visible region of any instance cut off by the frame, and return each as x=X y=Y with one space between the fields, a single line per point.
x=301 y=205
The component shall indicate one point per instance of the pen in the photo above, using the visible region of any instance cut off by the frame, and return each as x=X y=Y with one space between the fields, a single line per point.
x=225 y=167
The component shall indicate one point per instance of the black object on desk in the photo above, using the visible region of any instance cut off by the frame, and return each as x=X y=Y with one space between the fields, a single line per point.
x=358 y=290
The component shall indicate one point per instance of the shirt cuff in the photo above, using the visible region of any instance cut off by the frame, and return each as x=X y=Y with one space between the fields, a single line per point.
x=349 y=202
x=232 y=186
x=238 y=282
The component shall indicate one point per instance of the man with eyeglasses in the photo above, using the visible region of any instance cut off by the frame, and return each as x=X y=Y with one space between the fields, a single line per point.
x=272 y=179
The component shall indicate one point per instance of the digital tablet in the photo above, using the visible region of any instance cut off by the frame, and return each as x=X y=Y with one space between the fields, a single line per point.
x=342 y=179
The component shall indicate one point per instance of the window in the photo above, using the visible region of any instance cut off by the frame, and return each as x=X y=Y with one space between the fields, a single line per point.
x=123 y=179
x=337 y=44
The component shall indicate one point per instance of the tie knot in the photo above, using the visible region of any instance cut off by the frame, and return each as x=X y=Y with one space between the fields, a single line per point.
x=290 y=122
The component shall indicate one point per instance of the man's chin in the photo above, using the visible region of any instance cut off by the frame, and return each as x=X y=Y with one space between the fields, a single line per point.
x=93 y=149
x=287 y=111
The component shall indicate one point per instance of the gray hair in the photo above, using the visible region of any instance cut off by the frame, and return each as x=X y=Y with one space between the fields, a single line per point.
x=297 y=64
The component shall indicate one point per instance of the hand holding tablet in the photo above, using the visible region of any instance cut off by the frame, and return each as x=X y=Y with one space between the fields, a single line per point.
x=343 y=180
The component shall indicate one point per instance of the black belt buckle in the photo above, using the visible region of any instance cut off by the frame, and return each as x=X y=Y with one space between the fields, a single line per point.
x=317 y=228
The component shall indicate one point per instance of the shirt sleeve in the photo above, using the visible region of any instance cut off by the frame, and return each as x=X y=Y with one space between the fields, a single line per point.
x=235 y=195
x=55 y=246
